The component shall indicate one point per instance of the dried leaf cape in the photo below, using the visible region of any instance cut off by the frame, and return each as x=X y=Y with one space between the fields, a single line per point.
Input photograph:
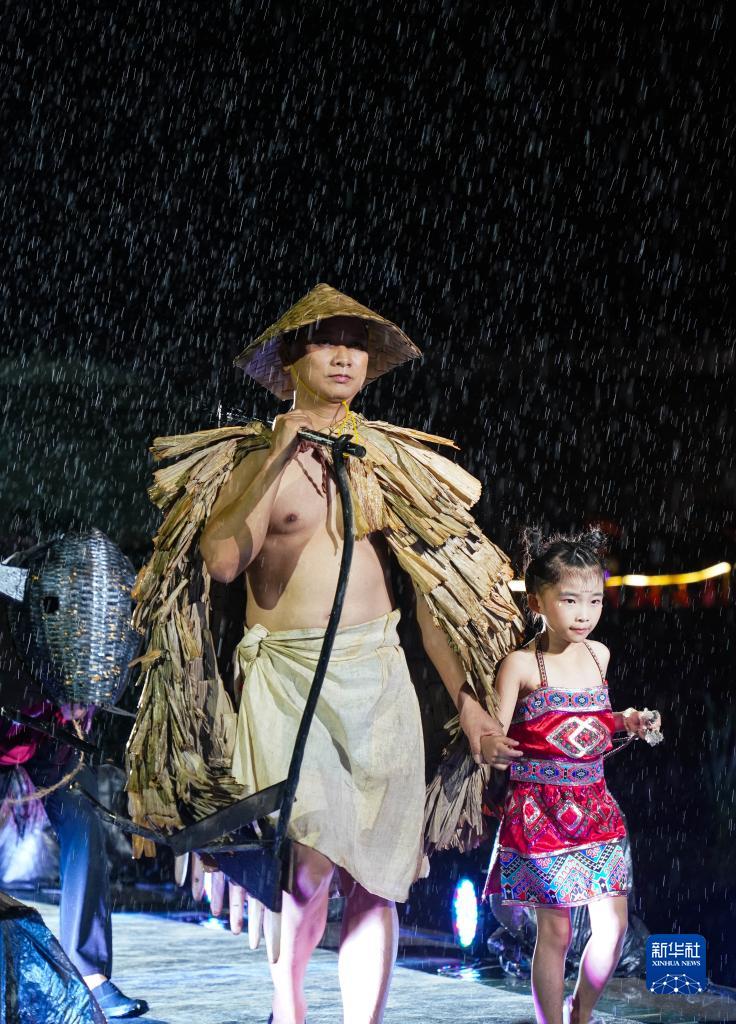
x=179 y=752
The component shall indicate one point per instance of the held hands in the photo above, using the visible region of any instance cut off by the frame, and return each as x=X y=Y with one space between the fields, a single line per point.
x=488 y=744
x=498 y=750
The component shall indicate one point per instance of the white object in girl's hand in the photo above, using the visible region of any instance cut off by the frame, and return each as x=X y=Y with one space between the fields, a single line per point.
x=651 y=721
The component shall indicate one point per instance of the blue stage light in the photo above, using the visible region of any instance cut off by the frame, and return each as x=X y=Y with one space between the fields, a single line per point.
x=465 y=912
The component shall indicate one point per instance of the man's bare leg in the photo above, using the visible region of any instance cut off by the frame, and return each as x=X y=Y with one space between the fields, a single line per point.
x=303 y=918
x=368 y=946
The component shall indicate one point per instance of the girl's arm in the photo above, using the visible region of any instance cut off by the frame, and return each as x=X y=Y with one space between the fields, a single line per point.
x=619 y=720
x=631 y=720
x=498 y=750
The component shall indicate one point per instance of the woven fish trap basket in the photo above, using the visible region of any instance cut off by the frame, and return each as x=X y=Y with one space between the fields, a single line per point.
x=73 y=630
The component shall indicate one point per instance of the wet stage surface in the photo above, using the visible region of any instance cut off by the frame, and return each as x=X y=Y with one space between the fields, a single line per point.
x=192 y=974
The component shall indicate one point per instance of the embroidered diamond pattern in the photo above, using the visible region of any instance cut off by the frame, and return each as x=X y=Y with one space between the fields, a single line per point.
x=534 y=818
x=579 y=737
x=531 y=810
x=572 y=817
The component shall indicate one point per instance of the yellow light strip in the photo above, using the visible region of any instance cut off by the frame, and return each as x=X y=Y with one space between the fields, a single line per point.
x=666 y=580
x=670 y=579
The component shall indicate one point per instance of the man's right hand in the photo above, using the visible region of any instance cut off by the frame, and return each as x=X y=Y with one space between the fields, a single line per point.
x=284 y=441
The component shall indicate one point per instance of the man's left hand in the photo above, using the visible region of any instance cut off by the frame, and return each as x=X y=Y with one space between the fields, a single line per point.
x=476 y=722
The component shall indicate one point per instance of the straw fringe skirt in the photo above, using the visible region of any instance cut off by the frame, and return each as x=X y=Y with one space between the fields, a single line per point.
x=360 y=799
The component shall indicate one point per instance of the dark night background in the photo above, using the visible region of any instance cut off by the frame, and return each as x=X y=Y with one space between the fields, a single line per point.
x=541 y=195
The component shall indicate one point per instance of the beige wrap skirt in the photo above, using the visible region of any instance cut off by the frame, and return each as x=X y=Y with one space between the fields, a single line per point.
x=360 y=799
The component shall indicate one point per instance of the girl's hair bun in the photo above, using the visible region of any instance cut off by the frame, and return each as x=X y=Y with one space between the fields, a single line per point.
x=546 y=559
x=532 y=543
x=594 y=539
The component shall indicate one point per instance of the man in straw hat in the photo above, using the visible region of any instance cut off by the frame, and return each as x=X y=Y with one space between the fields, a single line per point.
x=260 y=501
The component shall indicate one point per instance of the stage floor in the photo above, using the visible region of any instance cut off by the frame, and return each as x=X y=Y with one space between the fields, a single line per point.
x=192 y=974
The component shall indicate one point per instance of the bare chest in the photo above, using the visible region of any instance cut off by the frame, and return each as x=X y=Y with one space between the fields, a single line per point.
x=307 y=499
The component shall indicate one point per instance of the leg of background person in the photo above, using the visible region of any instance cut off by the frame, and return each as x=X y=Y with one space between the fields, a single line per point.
x=608 y=922
x=368 y=947
x=303 y=919
x=86 y=930
x=554 y=934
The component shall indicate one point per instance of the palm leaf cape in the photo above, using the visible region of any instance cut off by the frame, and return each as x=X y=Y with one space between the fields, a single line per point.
x=179 y=752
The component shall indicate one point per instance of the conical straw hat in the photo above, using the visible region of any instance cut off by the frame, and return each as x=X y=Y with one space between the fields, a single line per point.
x=388 y=346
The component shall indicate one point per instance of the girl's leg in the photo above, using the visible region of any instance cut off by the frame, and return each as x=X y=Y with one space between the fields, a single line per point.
x=554 y=934
x=368 y=945
x=608 y=921
x=303 y=918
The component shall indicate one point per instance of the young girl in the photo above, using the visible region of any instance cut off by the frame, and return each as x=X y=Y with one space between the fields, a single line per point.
x=559 y=841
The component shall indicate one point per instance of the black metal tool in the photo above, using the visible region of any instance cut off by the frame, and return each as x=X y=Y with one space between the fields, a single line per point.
x=333 y=442
x=339 y=448
x=245 y=858
x=120 y=821
x=50 y=729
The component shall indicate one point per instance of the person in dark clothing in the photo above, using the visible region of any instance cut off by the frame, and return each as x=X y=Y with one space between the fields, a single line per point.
x=86 y=931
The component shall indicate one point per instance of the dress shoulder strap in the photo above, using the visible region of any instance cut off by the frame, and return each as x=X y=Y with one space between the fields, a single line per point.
x=540 y=662
x=594 y=656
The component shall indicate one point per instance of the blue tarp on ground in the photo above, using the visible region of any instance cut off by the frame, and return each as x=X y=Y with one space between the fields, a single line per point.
x=38 y=982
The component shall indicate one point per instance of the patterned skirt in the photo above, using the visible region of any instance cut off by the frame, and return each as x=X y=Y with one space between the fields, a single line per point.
x=558 y=845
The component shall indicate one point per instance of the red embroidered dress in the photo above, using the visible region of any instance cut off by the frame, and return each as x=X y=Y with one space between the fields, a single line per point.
x=558 y=843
